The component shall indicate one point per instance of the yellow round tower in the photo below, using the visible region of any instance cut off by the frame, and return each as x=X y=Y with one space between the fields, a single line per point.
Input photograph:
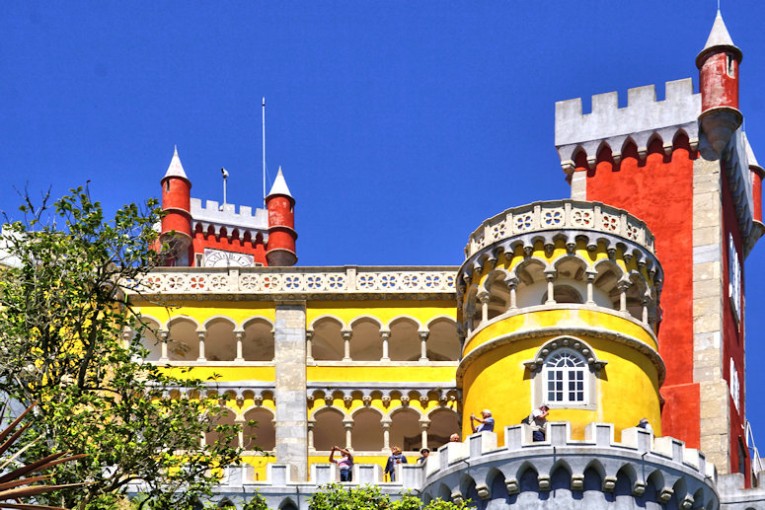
x=558 y=305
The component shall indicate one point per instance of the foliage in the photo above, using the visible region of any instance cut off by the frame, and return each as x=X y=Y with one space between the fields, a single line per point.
x=63 y=318
x=256 y=503
x=369 y=497
x=16 y=482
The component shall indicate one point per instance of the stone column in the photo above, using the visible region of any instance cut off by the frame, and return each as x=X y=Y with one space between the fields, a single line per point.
x=591 y=275
x=424 y=346
x=311 y=426
x=163 y=334
x=550 y=275
x=484 y=300
x=347 y=345
x=386 y=423
x=623 y=286
x=385 y=336
x=512 y=284
x=309 y=346
x=424 y=426
x=239 y=349
x=201 y=335
x=348 y=426
x=290 y=392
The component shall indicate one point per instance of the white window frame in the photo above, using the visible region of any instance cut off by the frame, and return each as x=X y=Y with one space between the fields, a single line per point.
x=575 y=371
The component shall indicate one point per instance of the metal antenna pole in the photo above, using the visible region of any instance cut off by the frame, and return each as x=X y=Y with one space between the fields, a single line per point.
x=263 y=109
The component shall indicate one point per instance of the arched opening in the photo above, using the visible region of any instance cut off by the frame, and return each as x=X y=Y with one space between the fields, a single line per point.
x=405 y=430
x=227 y=418
x=404 y=343
x=532 y=283
x=220 y=343
x=367 y=434
x=258 y=341
x=499 y=295
x=564 y=294
x=366 y=344
x=328 y=431
x=182 y=341
x=262 y=434
x=148 y=329
x=443 y=423
x=443 y=342
x=327 y=340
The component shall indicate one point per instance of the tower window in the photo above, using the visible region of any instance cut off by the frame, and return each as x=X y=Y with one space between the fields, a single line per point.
x=565 y=377
x=730 y=68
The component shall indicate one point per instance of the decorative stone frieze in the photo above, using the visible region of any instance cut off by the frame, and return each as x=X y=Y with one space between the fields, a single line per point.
x=296 y=282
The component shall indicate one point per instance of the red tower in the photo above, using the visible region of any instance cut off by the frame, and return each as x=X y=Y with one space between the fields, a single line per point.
x=176 y=204
x=281 y=224
x=718 y=71
x=684 y=167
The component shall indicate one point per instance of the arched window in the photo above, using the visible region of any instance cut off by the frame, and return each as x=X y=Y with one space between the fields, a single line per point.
x=565 y=377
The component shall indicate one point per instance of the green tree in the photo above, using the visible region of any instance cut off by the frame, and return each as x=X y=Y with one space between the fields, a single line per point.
x=370 y=497
x=63 y=318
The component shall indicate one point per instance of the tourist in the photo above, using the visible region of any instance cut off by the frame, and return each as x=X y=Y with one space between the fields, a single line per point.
x=424 y=453
x=394 y=460
x=344 y=463
x=486 y=422
x=537 y=420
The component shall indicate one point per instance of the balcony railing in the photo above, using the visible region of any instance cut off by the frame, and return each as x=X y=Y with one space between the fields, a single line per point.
x=560 y=215
x=297 y=280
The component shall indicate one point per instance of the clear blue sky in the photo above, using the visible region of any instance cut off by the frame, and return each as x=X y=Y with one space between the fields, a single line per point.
x=400 y=125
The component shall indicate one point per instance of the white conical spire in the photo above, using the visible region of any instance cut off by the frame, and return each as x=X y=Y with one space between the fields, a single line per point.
x=279 y=186
x=176 y=168
x=719 y=38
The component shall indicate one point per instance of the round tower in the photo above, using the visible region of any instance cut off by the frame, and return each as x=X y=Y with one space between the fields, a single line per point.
x=280 y=249
x=176 y=223
x=718 y=66
x=559 y=305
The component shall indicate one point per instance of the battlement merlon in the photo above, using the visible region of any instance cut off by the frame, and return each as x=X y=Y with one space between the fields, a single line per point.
x=217 y=216
x=639 y=120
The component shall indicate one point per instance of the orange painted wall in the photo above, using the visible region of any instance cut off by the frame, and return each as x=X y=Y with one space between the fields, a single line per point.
x=659 y=191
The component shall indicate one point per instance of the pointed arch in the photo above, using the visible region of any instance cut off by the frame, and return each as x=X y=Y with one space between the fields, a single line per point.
x=560 y=476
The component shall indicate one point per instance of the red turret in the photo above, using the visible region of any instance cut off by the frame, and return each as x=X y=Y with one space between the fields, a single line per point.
x=176 y=204
x=718 y=67
x=281 y=224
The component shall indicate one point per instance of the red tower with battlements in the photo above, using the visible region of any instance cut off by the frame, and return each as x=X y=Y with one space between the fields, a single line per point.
x=684 y=166
x=220 y=235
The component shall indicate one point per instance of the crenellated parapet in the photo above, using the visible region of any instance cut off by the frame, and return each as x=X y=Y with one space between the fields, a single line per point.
x=639 y=472
x=211 y=217
x=639 y=123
